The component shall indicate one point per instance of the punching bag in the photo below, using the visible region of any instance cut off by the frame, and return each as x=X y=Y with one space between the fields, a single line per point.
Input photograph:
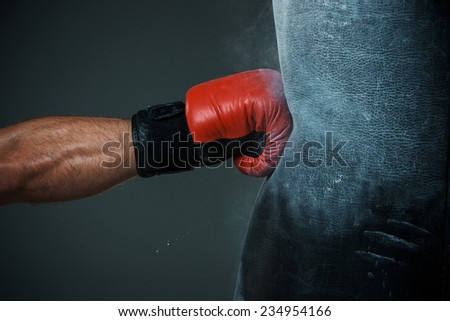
x=357 y=209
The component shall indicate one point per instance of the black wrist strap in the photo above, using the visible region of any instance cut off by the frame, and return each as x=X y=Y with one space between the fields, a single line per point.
x=161 y=139
x=163 y=144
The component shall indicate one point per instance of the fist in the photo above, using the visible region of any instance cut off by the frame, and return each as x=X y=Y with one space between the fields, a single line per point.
x=234 y=107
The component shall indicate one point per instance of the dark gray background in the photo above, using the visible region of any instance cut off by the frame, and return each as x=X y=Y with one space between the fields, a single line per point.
x=111 y=58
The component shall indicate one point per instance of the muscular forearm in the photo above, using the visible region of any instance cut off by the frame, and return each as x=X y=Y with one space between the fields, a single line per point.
x=62 y=158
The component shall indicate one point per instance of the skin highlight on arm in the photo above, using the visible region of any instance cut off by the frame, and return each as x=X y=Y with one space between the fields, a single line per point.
x=55 y=159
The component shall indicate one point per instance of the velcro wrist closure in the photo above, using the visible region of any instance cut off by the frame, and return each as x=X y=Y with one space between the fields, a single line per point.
x=161 y=139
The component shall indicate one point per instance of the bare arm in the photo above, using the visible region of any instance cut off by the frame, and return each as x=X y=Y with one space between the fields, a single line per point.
x=63 y=158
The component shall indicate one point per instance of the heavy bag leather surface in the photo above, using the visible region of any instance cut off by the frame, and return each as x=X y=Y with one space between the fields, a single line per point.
x=374 y=75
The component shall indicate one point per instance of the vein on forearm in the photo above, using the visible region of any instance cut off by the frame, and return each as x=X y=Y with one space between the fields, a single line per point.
x=59 y=158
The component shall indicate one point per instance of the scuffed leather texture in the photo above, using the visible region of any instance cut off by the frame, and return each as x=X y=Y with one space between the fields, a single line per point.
x=376 y=74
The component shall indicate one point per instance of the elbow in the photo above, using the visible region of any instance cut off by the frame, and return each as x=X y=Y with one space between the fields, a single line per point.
x=11 y=184
x=13 y=176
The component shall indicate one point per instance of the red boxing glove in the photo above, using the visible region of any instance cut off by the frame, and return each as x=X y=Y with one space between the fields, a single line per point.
x=235 y=106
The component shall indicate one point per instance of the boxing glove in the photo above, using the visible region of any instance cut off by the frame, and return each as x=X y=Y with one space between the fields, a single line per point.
x=244 y=115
